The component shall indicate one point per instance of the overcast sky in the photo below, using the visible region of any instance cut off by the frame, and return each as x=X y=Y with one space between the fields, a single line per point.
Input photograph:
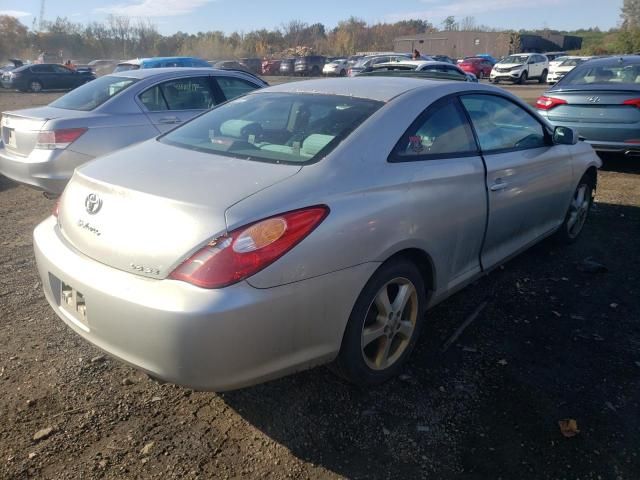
x=245 y=15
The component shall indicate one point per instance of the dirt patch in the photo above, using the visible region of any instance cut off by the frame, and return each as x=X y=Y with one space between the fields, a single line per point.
x=553 y=343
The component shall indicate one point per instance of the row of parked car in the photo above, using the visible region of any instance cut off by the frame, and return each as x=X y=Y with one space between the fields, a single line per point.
x=289 y=226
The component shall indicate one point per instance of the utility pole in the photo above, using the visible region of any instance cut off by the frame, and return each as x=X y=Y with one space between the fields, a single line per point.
x=41 y=23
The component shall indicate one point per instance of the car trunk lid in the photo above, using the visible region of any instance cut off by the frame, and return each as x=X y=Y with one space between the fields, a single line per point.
x=148 y=207
x=595 y=106
x=20 y=128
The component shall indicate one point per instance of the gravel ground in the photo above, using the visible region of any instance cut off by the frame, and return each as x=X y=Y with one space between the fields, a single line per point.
x=554 y=342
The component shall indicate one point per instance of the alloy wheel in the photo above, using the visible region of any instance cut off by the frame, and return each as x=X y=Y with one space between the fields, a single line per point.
x=578 y=210
x=35 y=86
x=389 y=324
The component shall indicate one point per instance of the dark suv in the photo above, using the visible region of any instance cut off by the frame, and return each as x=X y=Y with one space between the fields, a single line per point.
x=46 y=76
x=310 y=65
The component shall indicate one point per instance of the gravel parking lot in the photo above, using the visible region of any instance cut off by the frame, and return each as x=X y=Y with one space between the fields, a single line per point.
x=559 y=338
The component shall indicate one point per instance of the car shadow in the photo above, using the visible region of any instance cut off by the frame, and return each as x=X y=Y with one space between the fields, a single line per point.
x=6 y=184
x=615 y=162
x=554 y=341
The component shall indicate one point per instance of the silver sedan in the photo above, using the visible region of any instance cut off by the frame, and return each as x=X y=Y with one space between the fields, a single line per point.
x=41 y=146
x=306 y=223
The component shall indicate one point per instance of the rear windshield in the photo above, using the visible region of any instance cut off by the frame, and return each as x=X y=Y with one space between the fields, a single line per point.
x=607 y=74
x=123 y=67
x=93 y=94
x=572 y=62
x=291 y=128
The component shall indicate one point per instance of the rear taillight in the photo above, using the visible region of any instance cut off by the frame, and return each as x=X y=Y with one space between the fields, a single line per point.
x=52 y=139
x=56 y=208
x=635 y=102
x=233 y=257
x=547 y=103
x=349 y=72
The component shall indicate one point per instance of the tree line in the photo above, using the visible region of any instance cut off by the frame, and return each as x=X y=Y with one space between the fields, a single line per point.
x=124 y=37
x=121 y=37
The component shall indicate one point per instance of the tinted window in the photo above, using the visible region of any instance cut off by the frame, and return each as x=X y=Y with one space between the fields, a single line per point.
x=181 y=94
x=61 y=69
x=501 y=124
x=614 y=73
x=275 y=127
x=442 y=130
x=234 y=87
x=90 y=95
x=42 y=69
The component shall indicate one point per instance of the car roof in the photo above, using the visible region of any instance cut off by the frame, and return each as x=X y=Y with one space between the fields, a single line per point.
x=608 y=61
x=151 y=72
x=381 y=89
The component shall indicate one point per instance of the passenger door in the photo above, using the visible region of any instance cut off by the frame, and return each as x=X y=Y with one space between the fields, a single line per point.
x=64 y=77
x=170 y=103
x=528 y=178
x=446 y=189
x=45 y=75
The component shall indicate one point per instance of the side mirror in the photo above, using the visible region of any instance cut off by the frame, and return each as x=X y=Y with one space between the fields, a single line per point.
x=564 y=136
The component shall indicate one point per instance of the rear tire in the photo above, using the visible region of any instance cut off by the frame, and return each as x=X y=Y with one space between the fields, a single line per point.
x=481 y=75
x=384 y=325
x=577 y=213
x=35 y=86
x=523 y=78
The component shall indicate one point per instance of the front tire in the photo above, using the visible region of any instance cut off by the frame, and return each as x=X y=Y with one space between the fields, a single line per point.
x=384 y=325
x=577 y=213
x=523 y=78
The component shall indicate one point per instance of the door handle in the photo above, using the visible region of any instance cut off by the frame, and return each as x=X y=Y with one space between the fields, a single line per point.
x=498 y=185
x=169 y=120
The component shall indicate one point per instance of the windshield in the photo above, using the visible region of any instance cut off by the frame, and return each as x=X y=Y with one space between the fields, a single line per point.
x=92 y=94
x=275 y=127
x=614 y=73
x=516 y=59
x=560 y=59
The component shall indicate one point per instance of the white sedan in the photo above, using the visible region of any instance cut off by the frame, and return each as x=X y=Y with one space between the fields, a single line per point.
x=557 y=72
x=336 y=68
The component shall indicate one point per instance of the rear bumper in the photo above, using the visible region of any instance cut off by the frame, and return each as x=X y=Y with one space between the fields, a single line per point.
x=604 y=137
x=47 y=170
x=205 y=339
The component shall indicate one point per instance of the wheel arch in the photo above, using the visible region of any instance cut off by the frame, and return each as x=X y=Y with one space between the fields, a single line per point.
x=423 y=261
x=592 y=175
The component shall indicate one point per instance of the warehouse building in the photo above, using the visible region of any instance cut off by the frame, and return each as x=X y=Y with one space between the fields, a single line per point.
x=458 y=44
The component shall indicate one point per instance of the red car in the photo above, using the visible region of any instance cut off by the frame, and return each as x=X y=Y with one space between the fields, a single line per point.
x=271 y=67
x=480 y=67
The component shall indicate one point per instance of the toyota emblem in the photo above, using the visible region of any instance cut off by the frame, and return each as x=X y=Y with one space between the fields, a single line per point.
x=93 y=203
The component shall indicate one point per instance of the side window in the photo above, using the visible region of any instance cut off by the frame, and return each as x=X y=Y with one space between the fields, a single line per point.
x=61 y=69
x=153 y=100
x=502 y=125
x=42 y=69
x=182 y=94
x=441 y=130
x=234 y=87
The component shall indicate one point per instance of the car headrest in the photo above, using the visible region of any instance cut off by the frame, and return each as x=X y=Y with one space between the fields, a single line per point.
x=314 y=143
x=240 y=128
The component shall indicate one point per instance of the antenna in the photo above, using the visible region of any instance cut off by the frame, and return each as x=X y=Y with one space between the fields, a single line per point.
x=41 y=23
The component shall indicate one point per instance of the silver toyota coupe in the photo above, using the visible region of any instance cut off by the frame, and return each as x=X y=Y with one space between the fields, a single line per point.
x=306 y=223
